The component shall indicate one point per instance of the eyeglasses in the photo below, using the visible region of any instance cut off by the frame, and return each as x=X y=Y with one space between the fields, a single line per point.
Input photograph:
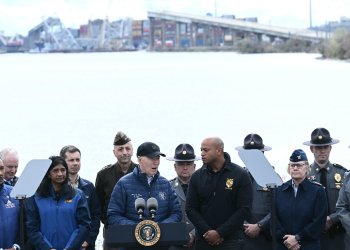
x=298 y=165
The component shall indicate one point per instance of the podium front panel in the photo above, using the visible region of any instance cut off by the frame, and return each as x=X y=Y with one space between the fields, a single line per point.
x=124 y=235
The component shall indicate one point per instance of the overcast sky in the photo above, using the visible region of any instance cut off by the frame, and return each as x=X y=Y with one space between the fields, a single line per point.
x=19 y=16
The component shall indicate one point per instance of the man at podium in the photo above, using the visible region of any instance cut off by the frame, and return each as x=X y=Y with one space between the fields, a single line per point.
x=145 y=183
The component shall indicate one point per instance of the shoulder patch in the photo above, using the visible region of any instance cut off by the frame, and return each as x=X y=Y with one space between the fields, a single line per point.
x=340 y=166
x=317 y=183
x=106 y=167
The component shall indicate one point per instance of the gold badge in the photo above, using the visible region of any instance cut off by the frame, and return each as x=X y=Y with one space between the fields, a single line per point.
x=337 y=177
x=229 y=183
x=147 y=233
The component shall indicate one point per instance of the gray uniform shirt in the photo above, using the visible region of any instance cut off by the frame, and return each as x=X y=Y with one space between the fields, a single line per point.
x=343 y=207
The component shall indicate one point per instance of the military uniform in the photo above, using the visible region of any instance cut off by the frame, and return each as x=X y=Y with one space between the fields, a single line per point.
x=106 y=179
x=261 y=205
x=343 y=208
x=334 y=237
x=176 y=185
x=260 y=214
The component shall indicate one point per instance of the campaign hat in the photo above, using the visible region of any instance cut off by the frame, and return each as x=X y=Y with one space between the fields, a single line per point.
x=149 y=149
x=321 y=137
x=253 y=141
x=184 y=152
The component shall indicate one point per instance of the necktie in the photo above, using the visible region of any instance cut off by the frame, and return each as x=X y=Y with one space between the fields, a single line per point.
x=323 y=180
x=184 y=188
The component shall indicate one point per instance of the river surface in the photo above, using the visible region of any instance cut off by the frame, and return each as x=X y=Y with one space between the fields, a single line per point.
x=51 y=100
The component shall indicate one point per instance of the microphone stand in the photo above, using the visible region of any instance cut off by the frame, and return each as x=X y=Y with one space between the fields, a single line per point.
x=21 y=198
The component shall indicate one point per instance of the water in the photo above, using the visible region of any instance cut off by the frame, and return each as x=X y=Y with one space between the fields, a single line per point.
x=51 y=100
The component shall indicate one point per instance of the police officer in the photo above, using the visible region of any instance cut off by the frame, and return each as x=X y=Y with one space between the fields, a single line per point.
x=331 y=177
x=257 y=228
x=343 y=208
x=184 y=167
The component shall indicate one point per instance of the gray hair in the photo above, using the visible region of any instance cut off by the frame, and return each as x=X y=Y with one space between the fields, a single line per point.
x=6 y=151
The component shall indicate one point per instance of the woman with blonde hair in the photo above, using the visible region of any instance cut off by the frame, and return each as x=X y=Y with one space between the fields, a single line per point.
x=300 y=208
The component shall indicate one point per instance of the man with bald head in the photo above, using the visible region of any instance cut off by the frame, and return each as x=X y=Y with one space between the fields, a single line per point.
x=219 y=199
x=9 y=157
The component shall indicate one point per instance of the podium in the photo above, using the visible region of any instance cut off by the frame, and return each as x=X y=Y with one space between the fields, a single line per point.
x=124 y=236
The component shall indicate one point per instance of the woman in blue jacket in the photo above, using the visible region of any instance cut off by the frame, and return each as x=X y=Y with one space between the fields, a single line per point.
x=301 y=208
x=57 y=216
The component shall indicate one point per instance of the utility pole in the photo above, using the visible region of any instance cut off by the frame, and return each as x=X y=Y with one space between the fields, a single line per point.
x=310 y=15
x=215 y=8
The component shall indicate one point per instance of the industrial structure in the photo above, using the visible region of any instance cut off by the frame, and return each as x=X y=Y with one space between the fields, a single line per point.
x=170 y=29
x=161 y=31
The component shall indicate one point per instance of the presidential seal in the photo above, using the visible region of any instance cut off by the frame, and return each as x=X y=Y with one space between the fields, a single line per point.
x=147 y=233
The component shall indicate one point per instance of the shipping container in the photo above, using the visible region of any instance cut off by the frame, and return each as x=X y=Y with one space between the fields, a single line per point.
x=185 y=42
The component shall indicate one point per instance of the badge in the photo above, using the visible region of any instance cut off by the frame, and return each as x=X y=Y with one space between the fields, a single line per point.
x=337 y=177
x=337 y=186
x=147 y=233
x=312 y=178
x=229 y=183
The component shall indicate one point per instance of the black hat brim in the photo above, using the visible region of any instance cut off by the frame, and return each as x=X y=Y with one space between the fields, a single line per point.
x=309 y=143
x=176 y=159
x=155 y=154
x=266 y=148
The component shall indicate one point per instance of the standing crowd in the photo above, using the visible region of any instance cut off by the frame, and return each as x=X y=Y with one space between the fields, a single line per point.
x=221 y=202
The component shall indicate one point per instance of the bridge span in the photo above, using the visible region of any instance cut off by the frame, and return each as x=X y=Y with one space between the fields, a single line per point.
x=187 y=30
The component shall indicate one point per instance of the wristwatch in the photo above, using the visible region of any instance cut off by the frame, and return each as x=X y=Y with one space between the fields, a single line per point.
x=297 y=238
x=259 y=225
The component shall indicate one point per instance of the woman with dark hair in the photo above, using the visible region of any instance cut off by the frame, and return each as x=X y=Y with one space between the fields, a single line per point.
x=57 y=215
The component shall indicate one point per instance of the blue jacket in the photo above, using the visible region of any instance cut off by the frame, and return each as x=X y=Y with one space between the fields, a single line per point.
x=121 y=209
x=304 y=214
x=94 y=207
x=59 y=224
x=9 y=218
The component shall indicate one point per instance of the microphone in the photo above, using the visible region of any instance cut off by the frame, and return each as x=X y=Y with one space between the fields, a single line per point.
x=152 y=206
x=140 y=205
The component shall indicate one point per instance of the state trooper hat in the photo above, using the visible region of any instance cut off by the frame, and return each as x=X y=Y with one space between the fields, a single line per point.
x=253 y=141
x=184 y=152
x=321 y=137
